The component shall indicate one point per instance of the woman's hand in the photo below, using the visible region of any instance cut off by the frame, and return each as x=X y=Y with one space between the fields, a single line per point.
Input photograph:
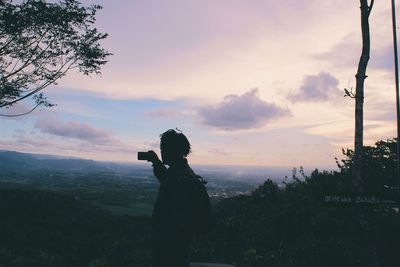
x=153 y=156
x=159 y=170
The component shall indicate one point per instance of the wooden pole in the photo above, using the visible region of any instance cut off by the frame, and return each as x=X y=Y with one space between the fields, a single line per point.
x=396 y=75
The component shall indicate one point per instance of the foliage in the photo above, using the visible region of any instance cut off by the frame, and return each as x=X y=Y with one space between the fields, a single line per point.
x=40 y=42
x=290 y=225
x=379 y=165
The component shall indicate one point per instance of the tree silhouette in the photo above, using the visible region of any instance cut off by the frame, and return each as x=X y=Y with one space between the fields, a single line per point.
x=359 y=95
x=40 y=42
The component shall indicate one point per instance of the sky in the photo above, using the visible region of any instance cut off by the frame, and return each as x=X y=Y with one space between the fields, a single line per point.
x=248 y=82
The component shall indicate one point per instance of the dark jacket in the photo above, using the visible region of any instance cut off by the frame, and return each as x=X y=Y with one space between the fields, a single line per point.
x=172 y=220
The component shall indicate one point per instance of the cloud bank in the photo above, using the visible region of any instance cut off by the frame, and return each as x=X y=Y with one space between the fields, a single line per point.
x=82 y=131
x=316 y=88
x=237 y=112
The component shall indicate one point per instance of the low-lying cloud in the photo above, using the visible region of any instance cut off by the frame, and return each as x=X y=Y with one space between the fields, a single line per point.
x=237 y=112
x=316 y=88
x=82 y=131
x=35 y=142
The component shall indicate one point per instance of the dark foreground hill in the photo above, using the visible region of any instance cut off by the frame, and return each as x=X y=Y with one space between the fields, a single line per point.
x=39 y=228
x=271 y=227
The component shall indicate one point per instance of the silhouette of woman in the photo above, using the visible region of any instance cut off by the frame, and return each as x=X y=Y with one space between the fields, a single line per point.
x=172 y=225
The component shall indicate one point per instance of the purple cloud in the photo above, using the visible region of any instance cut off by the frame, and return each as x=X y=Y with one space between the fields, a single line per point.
x=381 y=111
x=316 y=88
x=36 y=143
x=238 y=112
x=347 y=52
x=382 y=59
x=76 y=130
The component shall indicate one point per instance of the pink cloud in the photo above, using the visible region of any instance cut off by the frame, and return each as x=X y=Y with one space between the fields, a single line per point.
x=317 y=88
x=245 y=111
x=82 y=131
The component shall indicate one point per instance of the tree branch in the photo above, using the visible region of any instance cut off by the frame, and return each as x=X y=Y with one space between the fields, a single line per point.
x=8 y=42
x=22 y=114
x=24 y=47
x=35 y=40
x=40 y=41
x=370 y=7
x=57 y=75
x=29 y=61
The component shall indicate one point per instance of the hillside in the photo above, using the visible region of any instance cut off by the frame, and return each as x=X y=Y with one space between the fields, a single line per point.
x=41 y=228
x=16 y=161
x=270 y=226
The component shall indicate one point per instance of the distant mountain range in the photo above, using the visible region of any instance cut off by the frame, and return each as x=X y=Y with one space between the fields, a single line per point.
x=12 y=160
x=25 y=162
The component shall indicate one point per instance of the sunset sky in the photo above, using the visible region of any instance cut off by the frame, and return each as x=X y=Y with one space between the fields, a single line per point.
x=249 y=82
